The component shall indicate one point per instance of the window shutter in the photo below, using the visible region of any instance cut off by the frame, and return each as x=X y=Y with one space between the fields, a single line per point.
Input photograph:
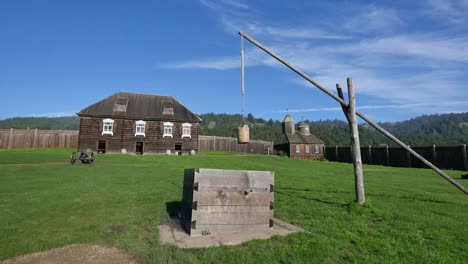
x=134 y=127
x=100 y=126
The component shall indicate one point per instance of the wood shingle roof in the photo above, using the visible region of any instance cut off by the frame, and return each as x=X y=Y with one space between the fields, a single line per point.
x=297 y=138
x=140 y=107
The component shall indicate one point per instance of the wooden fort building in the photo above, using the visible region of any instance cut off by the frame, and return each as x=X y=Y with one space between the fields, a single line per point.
x=138 y=124
x=298 y=144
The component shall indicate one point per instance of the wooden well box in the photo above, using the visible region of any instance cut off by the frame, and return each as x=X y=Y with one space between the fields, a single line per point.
x=227 y=201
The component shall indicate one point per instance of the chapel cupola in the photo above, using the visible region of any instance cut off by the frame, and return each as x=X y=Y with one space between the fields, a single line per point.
x=288 y=125
x=304 y=129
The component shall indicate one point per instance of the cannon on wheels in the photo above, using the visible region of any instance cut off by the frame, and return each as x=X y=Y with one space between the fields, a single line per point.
x=83 y=156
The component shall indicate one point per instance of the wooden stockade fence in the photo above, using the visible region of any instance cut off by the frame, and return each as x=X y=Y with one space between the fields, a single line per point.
x=446 y=157
x=38 y=138
x=215 y=143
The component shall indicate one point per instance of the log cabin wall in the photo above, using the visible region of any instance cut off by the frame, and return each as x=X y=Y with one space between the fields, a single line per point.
x=302 y=151
x=123 y=111
x=124 y=136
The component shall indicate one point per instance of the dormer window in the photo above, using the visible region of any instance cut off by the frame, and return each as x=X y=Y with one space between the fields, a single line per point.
x=140 y=128
x=167 y=108
x=186 y=130
x=168 y=111
x=121 y=104
x=167 y=129
x=108 y=127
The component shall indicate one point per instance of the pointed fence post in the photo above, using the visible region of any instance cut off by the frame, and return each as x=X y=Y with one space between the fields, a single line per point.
x=464 y=157
x=35 y=139
x=387 y=156
x=370 y=154
x=10 y=139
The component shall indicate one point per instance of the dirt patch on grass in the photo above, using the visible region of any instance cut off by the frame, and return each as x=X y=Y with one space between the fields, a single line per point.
x=74 y=254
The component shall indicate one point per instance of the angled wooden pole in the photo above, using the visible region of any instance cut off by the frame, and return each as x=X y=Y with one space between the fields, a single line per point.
x=339 y=91
x=361 y=115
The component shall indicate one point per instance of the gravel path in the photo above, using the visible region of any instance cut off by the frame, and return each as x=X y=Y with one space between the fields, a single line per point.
x=74 y=254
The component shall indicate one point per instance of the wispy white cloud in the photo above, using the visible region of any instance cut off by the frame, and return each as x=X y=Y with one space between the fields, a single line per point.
x=223 y=63
x=236 y=4
x=420 y=71
x=297 y=32
x=325 y=64
x=373 y=19
x=254 y=57
x=432 y=46
x=373 y=107
x=451 y=11
x=227 y=7
x=433 y=87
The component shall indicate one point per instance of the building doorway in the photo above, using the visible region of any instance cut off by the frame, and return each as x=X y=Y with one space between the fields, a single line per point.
x=178 y=148
x=139 y=148
x=101 y=149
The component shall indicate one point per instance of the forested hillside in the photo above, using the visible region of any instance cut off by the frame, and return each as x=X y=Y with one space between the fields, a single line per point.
x=63 y=122
x=445 y=129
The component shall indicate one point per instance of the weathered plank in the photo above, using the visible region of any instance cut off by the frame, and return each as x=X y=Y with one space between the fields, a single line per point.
x=233 y=178
x=232 y=215
x=229 y=198
x=233 y=196
x=201 y=230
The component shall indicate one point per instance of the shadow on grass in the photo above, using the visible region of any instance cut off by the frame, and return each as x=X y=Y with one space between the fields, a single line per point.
x=173 y=208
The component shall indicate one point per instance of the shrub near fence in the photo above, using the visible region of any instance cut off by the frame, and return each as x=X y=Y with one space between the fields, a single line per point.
x=445 y=157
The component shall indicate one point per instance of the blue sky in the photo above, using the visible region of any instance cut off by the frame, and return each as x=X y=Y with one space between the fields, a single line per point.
x=407 y=58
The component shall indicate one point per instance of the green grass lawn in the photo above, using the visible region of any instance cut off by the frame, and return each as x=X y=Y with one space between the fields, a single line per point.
x=411 y=216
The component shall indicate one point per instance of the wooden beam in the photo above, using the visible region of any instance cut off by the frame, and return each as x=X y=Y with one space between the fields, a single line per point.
x=365 y=118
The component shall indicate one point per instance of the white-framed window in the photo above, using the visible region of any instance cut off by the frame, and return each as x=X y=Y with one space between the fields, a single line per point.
x=186 y=130
x=307 y=149
x=316 y=149
x=140 y=128
x=167 y=129
x=108 y=127
x=298 y=149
